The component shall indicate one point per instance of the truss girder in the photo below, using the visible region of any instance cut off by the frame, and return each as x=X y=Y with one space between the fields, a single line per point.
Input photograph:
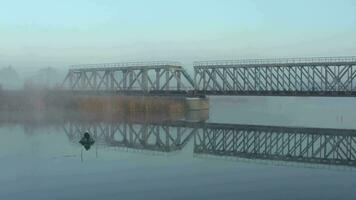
x=143 y=79
x=278 y=78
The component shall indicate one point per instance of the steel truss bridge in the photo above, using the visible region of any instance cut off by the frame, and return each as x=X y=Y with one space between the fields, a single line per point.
x=320 y=76
x=272 y=143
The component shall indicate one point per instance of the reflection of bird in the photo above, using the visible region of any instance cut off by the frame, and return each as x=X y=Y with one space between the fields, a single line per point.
x=87 y=141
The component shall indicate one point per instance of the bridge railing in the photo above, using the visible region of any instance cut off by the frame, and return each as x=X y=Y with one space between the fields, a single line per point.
x=277 y=61
x=127 y=64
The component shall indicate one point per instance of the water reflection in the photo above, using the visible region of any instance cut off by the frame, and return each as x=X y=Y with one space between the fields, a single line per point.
x=165 y=137
x=273 y=143
x=304 y=145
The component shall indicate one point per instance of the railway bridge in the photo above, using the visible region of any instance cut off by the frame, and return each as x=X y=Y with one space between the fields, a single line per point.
x=316 y=76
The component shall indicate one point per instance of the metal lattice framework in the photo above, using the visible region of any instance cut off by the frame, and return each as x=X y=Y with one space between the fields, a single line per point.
x=323 y=76
x=148 y=137
x=307 y=145
x=319 y=76
x=133 y=76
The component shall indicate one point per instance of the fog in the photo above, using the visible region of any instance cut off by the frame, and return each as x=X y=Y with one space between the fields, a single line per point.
x=16 y=78
x=156 y=134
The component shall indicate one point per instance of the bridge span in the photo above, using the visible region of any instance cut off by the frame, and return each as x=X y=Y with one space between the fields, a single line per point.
x=319 y=76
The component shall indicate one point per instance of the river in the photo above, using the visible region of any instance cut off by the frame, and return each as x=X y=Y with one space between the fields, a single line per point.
x=41 y=160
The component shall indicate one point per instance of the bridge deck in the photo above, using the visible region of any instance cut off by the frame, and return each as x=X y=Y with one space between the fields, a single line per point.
x=202 y=94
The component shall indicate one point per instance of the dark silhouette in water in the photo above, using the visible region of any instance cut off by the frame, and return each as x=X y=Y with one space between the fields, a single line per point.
x=87 y=141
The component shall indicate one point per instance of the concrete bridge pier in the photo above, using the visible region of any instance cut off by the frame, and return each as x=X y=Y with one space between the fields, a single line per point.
x=197 y=108
x=197 y=103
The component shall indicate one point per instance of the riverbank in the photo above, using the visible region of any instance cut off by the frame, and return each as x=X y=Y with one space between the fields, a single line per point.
x=53 y=104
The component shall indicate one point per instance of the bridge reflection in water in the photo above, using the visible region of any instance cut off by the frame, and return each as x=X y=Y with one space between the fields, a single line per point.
x=152 y=137
x=304 y=145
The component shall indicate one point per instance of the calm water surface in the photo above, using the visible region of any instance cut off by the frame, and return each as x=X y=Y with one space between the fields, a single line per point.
x=45 y=161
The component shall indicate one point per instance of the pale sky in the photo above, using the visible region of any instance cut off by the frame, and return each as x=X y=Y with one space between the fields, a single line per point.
x=63 y=32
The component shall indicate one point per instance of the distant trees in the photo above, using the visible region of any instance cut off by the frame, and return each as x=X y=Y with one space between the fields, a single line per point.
x=9 y=78
x=44 y=78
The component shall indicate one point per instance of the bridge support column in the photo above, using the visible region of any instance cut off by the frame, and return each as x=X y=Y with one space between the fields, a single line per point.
x=197 y=103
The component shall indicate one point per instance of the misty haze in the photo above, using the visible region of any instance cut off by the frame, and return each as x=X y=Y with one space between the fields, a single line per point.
x=244 y=99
